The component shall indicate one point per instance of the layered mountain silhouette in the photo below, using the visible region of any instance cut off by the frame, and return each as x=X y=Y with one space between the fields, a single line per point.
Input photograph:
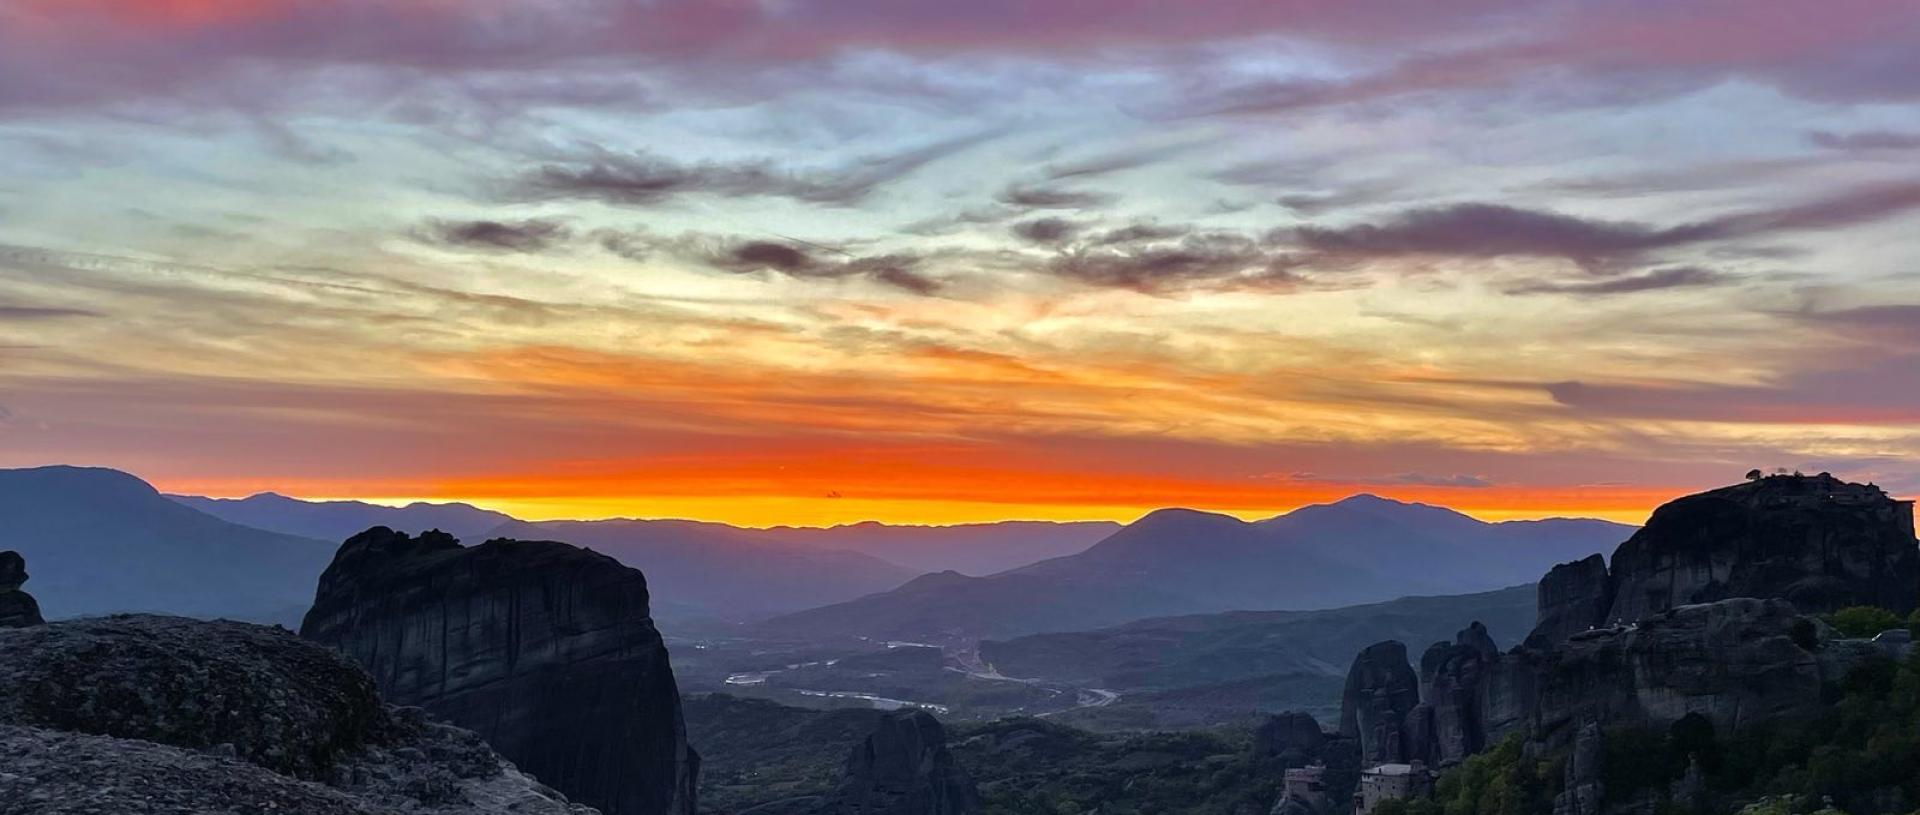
x=338 y=520
x=721 y=571
x=975 y=549
x=102 y=541
x=972 y=549
x=1176 y=561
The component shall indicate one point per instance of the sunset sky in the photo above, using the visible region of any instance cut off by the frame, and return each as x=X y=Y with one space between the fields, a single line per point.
x=814 y=261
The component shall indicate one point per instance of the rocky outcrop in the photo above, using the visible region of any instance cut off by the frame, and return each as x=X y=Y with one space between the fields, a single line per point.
x=1735 y=662
x=1453 y=682
x=1292 y=736
x=168 y=715
x=17 y=608
x=1820 y=542
x=1573 y=597
x=258 y=693
x=903 y=768
x=1382 y=690
x=546 y=650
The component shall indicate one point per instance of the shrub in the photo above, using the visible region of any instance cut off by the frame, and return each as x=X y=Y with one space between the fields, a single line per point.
x=1863 y=621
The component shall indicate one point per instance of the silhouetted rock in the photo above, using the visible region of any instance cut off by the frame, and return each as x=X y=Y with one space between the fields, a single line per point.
x=1381 y=691
x=1573 y=598
x=169 y=715
x=17 y=608
x=1820 y=542
x=1292 y=736
x=903 y=768
x=1453 y=681
x=546 y=650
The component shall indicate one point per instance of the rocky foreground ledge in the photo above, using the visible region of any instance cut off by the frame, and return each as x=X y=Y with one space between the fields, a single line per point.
x=151 y=714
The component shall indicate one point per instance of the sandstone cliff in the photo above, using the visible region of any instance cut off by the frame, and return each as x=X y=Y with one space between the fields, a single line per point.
x=546 y=650
x=169 y=715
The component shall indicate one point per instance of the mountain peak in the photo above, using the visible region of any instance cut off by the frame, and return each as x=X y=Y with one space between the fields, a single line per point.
x=1182 y=516
x=1360 y=499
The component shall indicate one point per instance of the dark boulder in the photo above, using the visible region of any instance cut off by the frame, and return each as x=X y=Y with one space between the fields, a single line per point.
x=17 y=608
x=545 y=649
x=1820 y=542
x=903 y=768
x=1382 y=690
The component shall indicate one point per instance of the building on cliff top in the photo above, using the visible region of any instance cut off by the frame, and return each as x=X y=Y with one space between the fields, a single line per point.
x=1390 y=782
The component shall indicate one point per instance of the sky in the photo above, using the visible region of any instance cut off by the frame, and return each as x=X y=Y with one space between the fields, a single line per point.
x=818 y=261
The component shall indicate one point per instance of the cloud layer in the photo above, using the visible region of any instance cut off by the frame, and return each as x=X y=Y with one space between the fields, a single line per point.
x=961 y=260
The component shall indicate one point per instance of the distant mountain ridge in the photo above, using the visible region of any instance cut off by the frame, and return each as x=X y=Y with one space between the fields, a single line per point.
x=719 y=571
x=1177 y=561
x=338 y=520
x=103 y=541
x=977 y=548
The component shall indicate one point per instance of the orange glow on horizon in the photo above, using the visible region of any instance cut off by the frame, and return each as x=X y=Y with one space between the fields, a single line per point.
x=1039 y=503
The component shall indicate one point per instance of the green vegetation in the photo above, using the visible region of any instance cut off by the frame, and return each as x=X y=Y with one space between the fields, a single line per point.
x=1861 y=622
x=1034 y=767
x=1500 y=781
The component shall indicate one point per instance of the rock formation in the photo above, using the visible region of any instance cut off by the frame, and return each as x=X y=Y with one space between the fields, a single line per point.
x=903 y=769
x=1573 y=597
x=1292 y=736
x=1820 y=542
x=546 y=650
x=1381 y=691
x=1453 y=678
x=1734 y=662
x=17 y=608
x=170 y=715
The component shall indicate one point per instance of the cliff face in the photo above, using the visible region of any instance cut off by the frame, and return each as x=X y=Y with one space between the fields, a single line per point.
x=1820 y=542
x=1734 y=662
x=546 y=650
x=165 y=714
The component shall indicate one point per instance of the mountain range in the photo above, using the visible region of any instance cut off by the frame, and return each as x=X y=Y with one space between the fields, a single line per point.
x=267 y=550
x=102 y=541
x=1175 y=561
